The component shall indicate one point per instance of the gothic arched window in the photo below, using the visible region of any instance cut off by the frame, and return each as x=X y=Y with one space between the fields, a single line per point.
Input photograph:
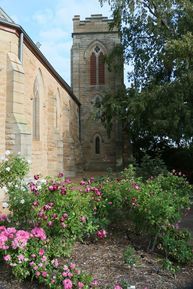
x=97 y=66
x=97 y=145
x=38 y=95
x=58 y=110
x=36 y=111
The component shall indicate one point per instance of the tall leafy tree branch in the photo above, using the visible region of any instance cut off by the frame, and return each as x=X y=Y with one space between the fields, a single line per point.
x=157 y=45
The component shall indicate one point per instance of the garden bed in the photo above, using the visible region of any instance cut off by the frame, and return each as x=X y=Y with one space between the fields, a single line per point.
x=104 y=260
x=49 y=216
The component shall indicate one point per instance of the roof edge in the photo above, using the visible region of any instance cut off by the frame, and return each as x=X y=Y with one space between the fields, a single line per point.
x=6 y=16
x=43 y=58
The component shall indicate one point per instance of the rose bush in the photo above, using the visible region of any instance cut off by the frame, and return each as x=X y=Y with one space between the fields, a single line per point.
x=62 y=209
x=13 y=168
x=26 y=253
x=48 y=215
x=67 y=212
x=154 y=206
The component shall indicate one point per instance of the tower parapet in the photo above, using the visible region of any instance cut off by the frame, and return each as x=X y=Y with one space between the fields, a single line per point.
x=96 y=23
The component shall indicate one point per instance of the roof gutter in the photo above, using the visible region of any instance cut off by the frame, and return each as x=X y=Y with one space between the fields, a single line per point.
x=24 y=37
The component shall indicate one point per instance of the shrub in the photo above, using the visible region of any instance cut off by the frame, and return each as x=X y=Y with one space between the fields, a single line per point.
x=66 y=211
x=151 y=167
x=176 y=245
x=169 y=266
x=159 y=204
x=63 y=209
x=26 y=253
x=154 y=206
x=16 y=247
x=129 y=256
x=129 y=173
x=20 y=202
x=13 y=168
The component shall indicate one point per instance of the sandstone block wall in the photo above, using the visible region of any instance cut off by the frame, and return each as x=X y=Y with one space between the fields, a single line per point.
x=58 y=112
x=58 y=146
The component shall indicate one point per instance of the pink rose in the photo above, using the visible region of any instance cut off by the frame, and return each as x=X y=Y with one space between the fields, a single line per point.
x=7 y=258
x=44 y=274
x=55 y=263
x=41 y=252
x=118 y=287
x=80 y=285
x=83 y=219
x=50 y=224
x=102 y=234
x=21 y=257
x=31 y=263
x=65 y=216
x=68 y=180
x=94 y=282
x=39 y=233
x=72 y=266
x=37 y=274
x=87 y=190
x=44 y=258
x=36 y=177
x=60 y=175
x=67 y=284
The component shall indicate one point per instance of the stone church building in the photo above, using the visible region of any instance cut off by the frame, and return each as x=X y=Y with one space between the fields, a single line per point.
x=45 y=119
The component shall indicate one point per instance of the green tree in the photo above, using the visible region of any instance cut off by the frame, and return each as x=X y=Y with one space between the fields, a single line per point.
x=157 y=44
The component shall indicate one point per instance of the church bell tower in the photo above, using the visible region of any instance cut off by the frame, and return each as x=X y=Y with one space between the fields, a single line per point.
x=91 y=79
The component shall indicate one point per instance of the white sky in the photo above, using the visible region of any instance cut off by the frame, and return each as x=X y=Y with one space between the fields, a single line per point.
x=50 y=23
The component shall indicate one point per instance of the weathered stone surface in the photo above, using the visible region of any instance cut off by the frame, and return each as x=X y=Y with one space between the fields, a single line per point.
x=88 y=34
x=17 y=91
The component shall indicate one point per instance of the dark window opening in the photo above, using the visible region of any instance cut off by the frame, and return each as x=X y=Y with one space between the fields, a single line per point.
x=97 y=145
x=97 y=49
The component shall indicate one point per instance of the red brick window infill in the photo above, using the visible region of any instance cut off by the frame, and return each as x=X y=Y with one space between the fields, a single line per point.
x=97 y=66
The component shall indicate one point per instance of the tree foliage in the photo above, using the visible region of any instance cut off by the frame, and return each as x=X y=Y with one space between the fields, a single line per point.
x=157 y=44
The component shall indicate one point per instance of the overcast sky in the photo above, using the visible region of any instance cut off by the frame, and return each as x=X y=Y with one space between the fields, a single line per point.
x=50 y=23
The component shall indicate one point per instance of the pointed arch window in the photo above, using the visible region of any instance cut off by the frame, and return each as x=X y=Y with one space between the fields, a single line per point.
x=38 y=96
x=97 y=145
x=36 y=111
x=58 y=110
x=97 y=66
